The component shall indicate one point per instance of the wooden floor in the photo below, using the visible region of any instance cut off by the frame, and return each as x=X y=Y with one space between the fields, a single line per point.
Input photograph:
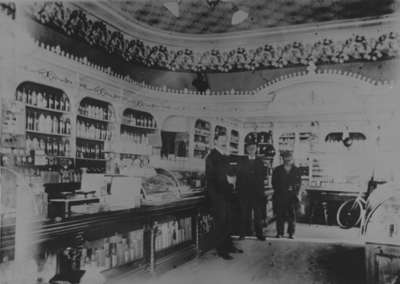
x=319 y=254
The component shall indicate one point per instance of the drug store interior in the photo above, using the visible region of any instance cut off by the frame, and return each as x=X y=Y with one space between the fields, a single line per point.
x=109 y=108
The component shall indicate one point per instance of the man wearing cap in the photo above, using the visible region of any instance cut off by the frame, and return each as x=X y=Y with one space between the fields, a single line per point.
x=286 y=181
x=250 y=182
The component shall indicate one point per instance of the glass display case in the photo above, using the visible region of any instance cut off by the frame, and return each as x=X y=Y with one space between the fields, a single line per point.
x=161 y=188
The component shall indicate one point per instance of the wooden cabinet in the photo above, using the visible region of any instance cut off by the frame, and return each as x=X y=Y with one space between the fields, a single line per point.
x=382 y=235
x=382 y=263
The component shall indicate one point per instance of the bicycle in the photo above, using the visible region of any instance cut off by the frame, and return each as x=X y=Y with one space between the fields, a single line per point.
x=352 y=212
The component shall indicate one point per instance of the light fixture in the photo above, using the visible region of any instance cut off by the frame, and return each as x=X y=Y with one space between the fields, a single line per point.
x=173 y=8
x=239 y=17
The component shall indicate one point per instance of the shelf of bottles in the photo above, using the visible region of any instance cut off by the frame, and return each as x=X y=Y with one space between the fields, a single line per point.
x=172 y=233
x=319 y=175
x=303 y=149
x=202 y=138
x=263 y=140
x=108 y=253
x=47 y=131
x=135 y=129
x=333 y=164
x=48 y=122
x=286 y=143
x=93 y=133
x=234 y=142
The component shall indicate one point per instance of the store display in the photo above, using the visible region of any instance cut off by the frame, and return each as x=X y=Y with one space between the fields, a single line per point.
x=172 y=233
x=202 y=138
x=139 y=119
x=92 y=130
x=37 y=96
x=206 y=224
x=91 y=108
x=287 y=142
x=114 y=251
x=90 y=150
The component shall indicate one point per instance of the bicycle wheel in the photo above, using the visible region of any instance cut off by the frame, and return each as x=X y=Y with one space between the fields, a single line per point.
x=349 y=214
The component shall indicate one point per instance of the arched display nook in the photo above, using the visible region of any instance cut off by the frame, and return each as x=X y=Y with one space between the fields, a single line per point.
x=48 y=126
x=175 y=136
x=94 y=131
x=136 y=126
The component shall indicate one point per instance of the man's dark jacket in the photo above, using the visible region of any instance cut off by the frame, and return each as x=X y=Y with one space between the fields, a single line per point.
x=217 y=168
x=281 y=181
x=250 y=178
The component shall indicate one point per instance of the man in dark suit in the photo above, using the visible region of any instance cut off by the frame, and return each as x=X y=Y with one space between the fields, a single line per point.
x=219 y=185
x=250 y=182
x=286 y=182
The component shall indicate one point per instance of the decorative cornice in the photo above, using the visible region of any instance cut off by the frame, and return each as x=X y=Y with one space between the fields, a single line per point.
x=78 y=24
x=312 y=73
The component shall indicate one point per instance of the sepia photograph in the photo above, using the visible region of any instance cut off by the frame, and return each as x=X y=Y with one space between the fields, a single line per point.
x=200 y=141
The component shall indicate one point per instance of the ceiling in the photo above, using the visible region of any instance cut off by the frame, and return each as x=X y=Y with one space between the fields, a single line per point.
x=197 y=17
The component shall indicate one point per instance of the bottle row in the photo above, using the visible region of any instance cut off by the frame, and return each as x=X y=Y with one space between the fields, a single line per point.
x=140 y=120
x=95 y=111
x=52 y=124
x=89 y=150
x=115 y=251
x=89 y=130
x=43 y=99
x=56 y=174
x=128 y=137
x=173 y=232
x=49 y=145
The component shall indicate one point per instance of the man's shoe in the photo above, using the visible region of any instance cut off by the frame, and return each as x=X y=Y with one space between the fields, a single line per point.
x=235 y=250
x=278 y=236
x=224 y=255
x=261 y=238
x=291 y=237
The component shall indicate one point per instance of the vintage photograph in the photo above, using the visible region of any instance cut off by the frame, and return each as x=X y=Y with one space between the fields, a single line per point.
x=200 y=141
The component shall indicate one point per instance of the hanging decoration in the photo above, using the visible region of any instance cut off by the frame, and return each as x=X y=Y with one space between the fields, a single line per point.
x=76 y=23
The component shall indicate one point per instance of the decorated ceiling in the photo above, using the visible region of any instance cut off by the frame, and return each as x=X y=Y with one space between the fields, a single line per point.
x=78 y=24
x=214 y=16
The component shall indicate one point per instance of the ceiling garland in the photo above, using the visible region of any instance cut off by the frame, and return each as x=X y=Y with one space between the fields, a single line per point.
x=77 y=23
x=7 y=9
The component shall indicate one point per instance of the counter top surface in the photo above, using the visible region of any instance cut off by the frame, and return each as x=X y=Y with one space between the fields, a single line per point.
x=49 y=229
